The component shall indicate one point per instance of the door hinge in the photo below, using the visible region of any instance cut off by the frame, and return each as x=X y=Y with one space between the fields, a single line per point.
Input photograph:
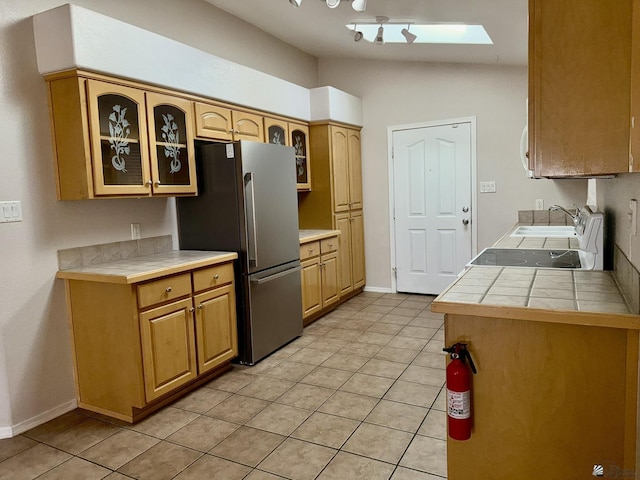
x=395 y=273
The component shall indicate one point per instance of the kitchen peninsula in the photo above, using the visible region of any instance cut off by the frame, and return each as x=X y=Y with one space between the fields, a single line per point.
x=556 y=392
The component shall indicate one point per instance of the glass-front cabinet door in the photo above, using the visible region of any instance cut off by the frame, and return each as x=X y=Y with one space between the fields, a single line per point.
x=300 y=142
x=171 y=144
x=277 y=131
x=117 y=122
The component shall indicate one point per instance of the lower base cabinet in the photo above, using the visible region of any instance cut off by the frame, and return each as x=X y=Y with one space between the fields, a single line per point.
x=320 y=276
x=139 y=345
x=352 y=270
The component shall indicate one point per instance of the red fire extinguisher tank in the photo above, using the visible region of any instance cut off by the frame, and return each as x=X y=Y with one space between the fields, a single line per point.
x=458 y=374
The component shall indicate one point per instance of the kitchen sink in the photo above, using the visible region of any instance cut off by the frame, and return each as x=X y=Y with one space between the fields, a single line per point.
x=557 y=231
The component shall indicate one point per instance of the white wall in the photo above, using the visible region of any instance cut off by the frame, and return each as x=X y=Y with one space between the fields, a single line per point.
x=395 y=93
x=35 y=357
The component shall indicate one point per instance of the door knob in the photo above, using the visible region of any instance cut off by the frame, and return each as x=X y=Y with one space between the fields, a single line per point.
x=465 y=221
x=465 y=209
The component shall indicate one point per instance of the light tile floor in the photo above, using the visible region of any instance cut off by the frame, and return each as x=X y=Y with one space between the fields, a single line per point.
x=358 y=396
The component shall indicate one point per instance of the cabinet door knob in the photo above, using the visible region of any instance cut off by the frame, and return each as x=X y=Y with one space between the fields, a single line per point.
x=216 y=276
x=158 y=183
x=192 y=309
x=149 y=183
x=168 y=289
x=236 y=131
x=200 y=307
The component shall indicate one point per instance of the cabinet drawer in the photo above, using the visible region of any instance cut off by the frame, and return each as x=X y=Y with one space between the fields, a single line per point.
x=168 y=288
x=328 y=245
x=212 y=277
x=308 y=250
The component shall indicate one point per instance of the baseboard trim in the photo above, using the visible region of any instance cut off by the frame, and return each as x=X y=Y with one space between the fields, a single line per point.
x=44 y=417
x=378 y=289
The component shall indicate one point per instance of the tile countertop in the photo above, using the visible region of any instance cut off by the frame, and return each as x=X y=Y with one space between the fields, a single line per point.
x=584 y=297
x=313 y=235
x=147 y=267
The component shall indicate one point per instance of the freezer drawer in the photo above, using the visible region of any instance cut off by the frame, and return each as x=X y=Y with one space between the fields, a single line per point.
x=275 y=313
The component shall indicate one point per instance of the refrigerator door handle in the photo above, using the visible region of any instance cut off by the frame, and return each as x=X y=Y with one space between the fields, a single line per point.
x=260 y=281
x=249 y=179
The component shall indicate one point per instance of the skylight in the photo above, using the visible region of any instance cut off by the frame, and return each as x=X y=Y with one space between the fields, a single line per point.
x=425 y=33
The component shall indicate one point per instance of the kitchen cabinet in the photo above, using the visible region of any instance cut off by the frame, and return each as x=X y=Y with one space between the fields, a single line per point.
x=294 y=135
x=139 y=345
x=580 y=87
x=221 y=122
x=320 y=276
x=565 y=403
x=335 y=200
x=634 y=156
x=116 y=140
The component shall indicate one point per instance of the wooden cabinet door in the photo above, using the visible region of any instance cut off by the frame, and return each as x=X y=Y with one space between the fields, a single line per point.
x=330 y=281
x=276 y=131
x=579 y=87
x=343 y=223
x=247 y=126
x=216 y=329
x=340 y=169
x=355 y=170
x=300 y=142
x=213 y=121
x=168 y=348
x=173 y=168
x=118 y=132
x=311 y=287
x=357 y=249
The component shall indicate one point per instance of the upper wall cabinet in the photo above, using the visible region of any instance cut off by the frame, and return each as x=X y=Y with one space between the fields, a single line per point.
x=281 y=132
x=112 y=140
x=219 y=122
x=579 y=87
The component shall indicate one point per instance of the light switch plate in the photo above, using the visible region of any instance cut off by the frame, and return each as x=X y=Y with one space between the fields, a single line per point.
x=10 y=212
x=488 y=187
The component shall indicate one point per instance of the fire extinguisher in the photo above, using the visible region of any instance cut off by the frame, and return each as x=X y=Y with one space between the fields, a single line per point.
x=459 y=392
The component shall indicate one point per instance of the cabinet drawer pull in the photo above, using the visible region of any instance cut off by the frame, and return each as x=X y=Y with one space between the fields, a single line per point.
x=168 y=289
x=311 y=250
x=331 y=245
x=216 y=276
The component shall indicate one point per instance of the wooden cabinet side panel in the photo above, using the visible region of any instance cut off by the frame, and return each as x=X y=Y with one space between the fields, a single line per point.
x=581 y=71
x=70 y=137
x=106 y=339
x=548 y=400
x=315 y=207
x=634 y=158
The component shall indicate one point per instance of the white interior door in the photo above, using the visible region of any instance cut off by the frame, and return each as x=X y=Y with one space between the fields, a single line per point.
x=432 y=205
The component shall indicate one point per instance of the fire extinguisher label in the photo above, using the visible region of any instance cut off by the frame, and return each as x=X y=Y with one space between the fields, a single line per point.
x=459 y=404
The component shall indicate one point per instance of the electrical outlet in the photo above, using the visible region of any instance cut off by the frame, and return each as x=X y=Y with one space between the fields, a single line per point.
x=135 y=231
x=539 y=204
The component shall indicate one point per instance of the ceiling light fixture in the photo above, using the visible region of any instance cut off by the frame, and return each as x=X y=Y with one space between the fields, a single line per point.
x=359 y=5
x=408 y=35
x=295 y=3
x=357 y=35
x=333 y=3
x=380 y=35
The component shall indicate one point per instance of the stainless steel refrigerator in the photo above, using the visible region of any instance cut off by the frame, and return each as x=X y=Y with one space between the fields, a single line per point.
x=247 y=203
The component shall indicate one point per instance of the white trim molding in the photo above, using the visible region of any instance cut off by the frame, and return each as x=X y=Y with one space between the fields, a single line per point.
x=44 y=417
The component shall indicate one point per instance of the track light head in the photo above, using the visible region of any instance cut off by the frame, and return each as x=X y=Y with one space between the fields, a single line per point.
x=380 y=36
x=333 y=3
x=357 y=36
x=359 y=5
x=410 y=37
x=295 y=3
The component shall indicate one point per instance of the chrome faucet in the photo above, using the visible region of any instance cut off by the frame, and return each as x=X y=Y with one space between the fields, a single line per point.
x=574 y=216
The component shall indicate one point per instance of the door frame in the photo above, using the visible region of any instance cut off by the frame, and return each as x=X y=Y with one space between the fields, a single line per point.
x=474 y=198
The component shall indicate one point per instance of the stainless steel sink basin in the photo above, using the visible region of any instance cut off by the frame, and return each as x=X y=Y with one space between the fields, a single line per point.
x=555 y=231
